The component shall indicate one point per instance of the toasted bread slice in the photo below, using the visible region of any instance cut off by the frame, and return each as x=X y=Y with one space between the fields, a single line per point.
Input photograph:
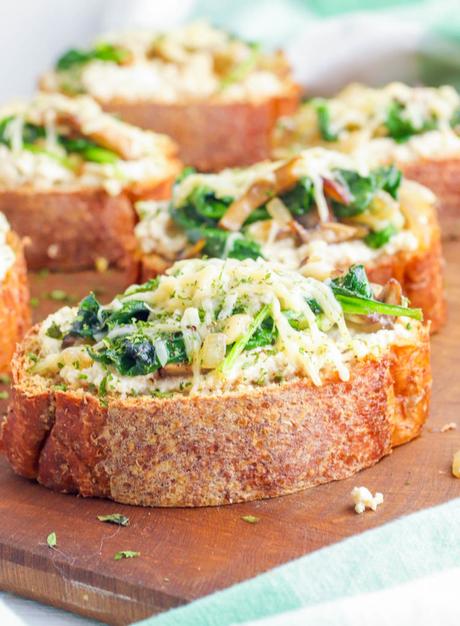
x=14 y=304
x=304 y=403
x=441 y=176
x=70 y=230
x=375 y=125
x=210 y=450
x=315 y=247
x=70 y=176
x=213 y=135
x=217 y=96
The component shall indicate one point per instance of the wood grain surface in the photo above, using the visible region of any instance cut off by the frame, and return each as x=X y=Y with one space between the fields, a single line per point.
x=186 y=554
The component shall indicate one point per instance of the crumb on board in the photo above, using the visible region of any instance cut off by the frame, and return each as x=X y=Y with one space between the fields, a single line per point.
x=449 y=426
x=456 y=464
x=363 y=499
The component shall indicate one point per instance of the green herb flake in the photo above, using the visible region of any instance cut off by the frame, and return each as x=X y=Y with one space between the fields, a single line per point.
x=59 y=295
x=32 y=356
x=54 y=331
x=5 y=379
x=250 y=519
x=4 y=395
x=114 y=518
x=51 y=540
x=34 y=302
x=126 y=554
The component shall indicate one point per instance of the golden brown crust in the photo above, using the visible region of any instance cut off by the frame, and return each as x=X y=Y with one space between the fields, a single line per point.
x=420 y=274
x=210 y=450
x=213 y=135
x=69 y=230
x=442 y=177
x=14 y=304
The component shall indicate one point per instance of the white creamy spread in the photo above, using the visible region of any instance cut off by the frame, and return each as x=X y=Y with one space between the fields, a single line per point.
x=357 y=116
x=191 y=62
x=197 y=298
x=148 y=159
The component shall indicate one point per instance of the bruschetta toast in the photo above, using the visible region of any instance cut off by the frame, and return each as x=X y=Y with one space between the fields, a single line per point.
x=220 y=381
x=69 y=174
x=217 y=96
x=416 y=128
x=14 y=294
x=319 y=212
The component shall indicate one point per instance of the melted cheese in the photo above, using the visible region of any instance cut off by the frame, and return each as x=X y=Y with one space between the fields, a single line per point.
x=148 y=152
x=191 y=62
x=156 y=231
x=193 y=297
x=357 y=117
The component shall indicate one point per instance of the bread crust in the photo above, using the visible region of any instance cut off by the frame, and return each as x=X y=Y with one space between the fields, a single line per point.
x=217 y=449
x=67 y=230
x=442 y=177
x=420 y=274
x=213 y=135
x=14 y=304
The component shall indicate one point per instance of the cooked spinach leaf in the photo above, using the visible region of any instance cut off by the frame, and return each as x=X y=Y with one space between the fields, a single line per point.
x=362 y=189
x=354 y=282
x=217 y=244
x=135 y=354
x=102 y=52
x=299 y=199
x=379 y=238
x=324 y=120
x=87 y=322
x=92 y=321
x=264 y=335
x=401 y=128
x=88 y=149
x=354 y=293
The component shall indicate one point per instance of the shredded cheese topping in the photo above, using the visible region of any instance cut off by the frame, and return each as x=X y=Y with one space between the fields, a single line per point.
x=144 y=157
x=212 y=304
x=357 y=117
x=191 y=62
x=157 y=233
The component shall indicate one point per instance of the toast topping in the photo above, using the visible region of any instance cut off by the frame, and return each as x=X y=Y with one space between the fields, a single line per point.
x=191 y=62
x=321 y=210
x=395 y=123
x=7 y=255
x=219 y=325
x=56 y=141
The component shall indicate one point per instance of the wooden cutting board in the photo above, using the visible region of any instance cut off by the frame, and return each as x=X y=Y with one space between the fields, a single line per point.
x=186 y=554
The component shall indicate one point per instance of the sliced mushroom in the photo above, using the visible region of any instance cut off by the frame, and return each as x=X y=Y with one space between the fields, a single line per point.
x=370 y=323
x=391 y=292
x=330 y=232
x=175 y=369
x=284 y=177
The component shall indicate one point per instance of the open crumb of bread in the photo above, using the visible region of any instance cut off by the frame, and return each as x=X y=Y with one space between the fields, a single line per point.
x=69 y=174
x=319 y=212
x=217 y=96
x=220 y=381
